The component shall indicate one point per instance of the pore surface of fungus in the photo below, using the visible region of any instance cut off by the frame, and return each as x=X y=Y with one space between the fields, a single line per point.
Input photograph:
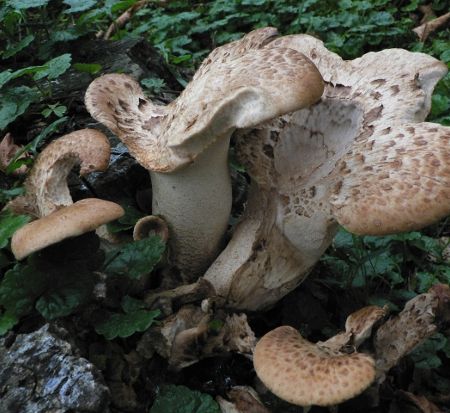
x=362 y=157
x=184 y=144
x=305 y=374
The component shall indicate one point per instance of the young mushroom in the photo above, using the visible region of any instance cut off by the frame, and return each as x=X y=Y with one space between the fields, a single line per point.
x=184 y=145
x=47 y=197
x=361 y=157
x=305 y=374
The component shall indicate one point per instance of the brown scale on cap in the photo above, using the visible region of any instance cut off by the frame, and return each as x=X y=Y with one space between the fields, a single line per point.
x=185 y=144
x=361 y=322
x=46 y=187
x=362 y=157
x=302 y=373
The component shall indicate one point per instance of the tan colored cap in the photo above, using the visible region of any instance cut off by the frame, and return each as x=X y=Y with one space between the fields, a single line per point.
x=239 y=85
x=305 y=374
x=361 y=322
x=149 y=225
x=70 y=221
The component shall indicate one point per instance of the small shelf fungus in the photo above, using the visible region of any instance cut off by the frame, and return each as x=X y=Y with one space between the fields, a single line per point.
x=47 y=197
x=185 y=144
x=305 y=374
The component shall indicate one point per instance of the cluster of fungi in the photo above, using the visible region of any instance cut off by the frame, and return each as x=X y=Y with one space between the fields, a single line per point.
x=326 y=142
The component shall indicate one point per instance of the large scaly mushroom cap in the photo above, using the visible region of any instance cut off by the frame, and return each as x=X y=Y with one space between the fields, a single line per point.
x=184 y=144
x=239 y=85
x=305 y=374
x=361 y=157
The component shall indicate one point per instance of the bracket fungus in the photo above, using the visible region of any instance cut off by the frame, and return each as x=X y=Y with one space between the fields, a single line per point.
x=305 y=374
x=47 y=197
x=184 y=144
x=362 y=157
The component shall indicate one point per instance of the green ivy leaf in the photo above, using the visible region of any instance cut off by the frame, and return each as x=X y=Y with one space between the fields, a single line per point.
x=65 y=294
x=27 y=4
x=14 y=102
x=19 y=289
x=127 y=221
x=7 y=194
x=13 y=50
x=34 y=144
x=135 y=259
x=77 y=6
x=9 y=224
x=7 y=322
x=130 y=304
x=181 y=399
x=91 y=68
x=153 y=84
x=54 y=67
x=125 y=325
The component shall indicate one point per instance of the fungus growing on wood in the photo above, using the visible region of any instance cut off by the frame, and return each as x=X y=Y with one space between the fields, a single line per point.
x=47 y=197
x=362 y=157
x=305 y=374
x=184 y=144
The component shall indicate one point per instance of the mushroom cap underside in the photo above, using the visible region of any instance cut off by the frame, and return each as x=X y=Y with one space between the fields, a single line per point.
x=304 y=374
x=69 y=221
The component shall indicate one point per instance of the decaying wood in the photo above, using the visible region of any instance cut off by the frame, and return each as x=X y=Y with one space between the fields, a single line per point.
x=193 y=334
x=243 y=399
x=419 y=320
x=425 y=29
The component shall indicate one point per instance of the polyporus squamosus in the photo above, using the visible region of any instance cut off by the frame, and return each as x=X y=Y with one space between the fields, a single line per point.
x=361 y=157
x=47 y=197
x=330 y=372
x=184 y=145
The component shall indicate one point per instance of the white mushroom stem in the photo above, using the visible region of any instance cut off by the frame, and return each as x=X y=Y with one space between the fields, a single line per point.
x=238 y=86
x=203 y=191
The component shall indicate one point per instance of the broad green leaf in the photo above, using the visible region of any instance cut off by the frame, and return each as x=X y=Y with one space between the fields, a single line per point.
x=9 y=224
x=130 y=304
x=20 y=288
x=125 y=325
x=7 y=194
x=425 y=355
x=12 y=50
x=7 y=321
x=35 y=143
x=27 y=4
x=153 y=84
x=54 y=67
x=135 y=259
x=5 y=77
x=77 y=6
x=66 y=292
x=127 y=221
x=91 y=68
x=181 y=399
x=14 y=102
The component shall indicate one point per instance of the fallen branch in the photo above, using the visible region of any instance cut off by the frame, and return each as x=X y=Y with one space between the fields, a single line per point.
x=424 y=30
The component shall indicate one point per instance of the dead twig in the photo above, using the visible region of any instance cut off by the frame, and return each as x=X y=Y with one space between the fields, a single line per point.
x=126 y=16
x=424 y=30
